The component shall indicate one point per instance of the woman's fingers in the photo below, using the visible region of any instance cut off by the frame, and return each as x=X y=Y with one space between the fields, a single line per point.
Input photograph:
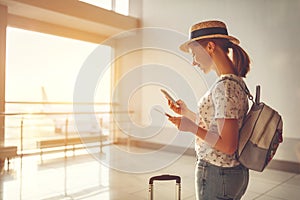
x=179 y=102
x=175 y=108
x=175 y=120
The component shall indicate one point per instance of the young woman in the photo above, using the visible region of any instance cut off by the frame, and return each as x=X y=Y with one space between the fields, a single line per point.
x=221 y=112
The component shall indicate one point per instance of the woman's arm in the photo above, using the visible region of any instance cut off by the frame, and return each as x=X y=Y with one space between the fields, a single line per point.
x=226 y=140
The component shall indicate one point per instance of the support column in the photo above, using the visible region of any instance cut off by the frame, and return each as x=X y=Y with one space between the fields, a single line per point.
x=3 y=25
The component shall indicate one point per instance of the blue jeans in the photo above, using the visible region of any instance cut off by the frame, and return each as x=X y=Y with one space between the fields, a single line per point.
x=213 y=182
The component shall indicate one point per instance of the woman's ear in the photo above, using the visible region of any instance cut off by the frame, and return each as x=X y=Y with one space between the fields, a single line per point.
x=211 y=46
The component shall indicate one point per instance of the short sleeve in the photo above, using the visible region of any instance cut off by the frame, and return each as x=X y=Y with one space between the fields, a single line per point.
x=226 y=99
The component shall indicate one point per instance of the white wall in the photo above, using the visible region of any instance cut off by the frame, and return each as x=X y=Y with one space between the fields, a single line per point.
x=268 y=31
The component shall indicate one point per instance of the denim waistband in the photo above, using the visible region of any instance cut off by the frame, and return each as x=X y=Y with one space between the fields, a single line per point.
x=203 y=163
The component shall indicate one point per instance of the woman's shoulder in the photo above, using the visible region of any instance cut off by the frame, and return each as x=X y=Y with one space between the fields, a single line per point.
x=229 y=85
x=230 y=77
x=229 y=81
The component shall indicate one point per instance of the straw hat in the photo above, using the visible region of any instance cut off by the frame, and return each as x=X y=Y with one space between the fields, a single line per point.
x=208 y=29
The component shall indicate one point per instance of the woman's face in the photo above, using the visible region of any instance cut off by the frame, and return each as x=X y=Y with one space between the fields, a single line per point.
x=201 y=58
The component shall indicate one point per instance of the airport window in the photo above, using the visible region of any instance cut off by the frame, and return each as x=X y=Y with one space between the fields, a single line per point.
x=122 y=7
x=41 y=72
x=44 y=61
x=119 y=6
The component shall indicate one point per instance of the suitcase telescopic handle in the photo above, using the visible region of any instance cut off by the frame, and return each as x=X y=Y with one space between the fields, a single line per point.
x=165 y=177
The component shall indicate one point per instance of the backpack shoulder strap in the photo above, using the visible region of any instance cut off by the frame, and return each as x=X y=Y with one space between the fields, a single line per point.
x=245 y=89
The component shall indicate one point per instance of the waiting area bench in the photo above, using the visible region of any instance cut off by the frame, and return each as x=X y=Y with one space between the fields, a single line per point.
x=58 y=144
x=8 y=152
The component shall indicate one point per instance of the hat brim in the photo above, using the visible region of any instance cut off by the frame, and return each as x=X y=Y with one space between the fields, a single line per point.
x=185 y=46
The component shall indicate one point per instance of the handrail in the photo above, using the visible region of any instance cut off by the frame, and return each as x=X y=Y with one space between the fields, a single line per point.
x=61 y=103
x=61 y=113
x=23 y=116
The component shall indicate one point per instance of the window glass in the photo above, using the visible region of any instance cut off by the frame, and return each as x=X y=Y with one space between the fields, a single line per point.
x=41 y=72
x=122 y=7
x=43 y=66
x=106 y=4
x=119 y=6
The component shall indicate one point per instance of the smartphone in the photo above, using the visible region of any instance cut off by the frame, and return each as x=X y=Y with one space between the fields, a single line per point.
x=168 y=115
x=168 y=96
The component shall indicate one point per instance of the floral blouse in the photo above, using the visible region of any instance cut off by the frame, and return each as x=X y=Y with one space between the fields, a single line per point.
x=225 y=99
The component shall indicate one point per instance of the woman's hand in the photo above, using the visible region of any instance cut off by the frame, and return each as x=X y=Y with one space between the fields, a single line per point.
x=179 y=108
x=184 y=124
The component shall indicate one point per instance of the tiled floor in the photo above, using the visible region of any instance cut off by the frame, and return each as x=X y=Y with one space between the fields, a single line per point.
x=84 y=177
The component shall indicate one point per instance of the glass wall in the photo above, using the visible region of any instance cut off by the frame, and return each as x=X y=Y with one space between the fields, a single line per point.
x=40 y=77
x=119 y=6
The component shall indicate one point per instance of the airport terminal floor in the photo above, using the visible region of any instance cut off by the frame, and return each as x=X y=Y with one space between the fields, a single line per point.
x=84 y=177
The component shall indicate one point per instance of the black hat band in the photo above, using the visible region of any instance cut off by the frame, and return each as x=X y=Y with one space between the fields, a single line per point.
x=208 y=31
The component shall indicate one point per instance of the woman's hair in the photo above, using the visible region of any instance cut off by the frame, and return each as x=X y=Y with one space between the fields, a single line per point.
x=240 y=58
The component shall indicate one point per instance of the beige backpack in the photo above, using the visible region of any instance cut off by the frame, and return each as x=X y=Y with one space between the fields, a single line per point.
x=260 y=134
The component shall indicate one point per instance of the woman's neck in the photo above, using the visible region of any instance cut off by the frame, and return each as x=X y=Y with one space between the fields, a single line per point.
x=223 y=63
